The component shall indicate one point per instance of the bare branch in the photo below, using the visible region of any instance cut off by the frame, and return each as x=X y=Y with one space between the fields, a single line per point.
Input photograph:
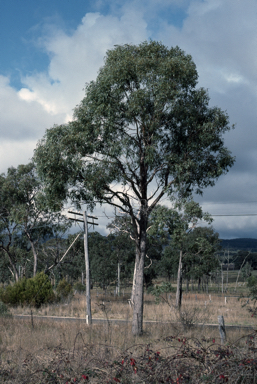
x=124 y=231
x=159 y=197
x=151 y=262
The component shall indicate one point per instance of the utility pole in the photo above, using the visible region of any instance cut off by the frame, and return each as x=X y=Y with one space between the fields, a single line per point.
x=88 y=296
x=118 y=282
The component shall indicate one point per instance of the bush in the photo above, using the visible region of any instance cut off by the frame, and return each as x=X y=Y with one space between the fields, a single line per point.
x=161 y=291
x=39 y=290
x=79 y=287
x=64 y=289
x=251 y=281
x=189 y=317
x=4 y=310
x=14 y=294
x=252 y=286
x=35 y=291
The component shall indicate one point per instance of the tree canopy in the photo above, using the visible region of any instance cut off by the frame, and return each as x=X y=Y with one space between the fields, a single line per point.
x=142 y=131
x=25 y=220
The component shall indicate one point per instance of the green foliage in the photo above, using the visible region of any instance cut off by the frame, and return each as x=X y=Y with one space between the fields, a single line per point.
x=252 y=286
x=144 y=126
x=103 y=261
x=79 y=287
x=64 y=289
x=158 y=290
x=246 y=271
x=198 y=244
x=248 y=256
x=105 y=253
x=74 y=262
x=161 y=292
x=252 y=294
x=144 y=108
x=124 y=249
x=251 y=281
x=4 y=310
x=179 y=220
x=15 y=294
x=34 y=291
x=25 y=219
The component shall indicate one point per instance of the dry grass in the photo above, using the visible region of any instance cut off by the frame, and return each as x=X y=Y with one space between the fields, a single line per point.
x=59 y=352
x=118 y=308
x=56 y=352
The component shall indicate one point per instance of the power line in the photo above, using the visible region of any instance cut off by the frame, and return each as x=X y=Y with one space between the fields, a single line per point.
x=243 y=214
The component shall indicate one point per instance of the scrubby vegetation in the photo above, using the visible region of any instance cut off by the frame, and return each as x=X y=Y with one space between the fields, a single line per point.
x=64 y=289
x=4 y=310
x=32 y=292
x=60 y=353
x=171 y=350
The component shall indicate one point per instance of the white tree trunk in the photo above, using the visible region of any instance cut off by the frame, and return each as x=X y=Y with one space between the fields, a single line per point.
x=179 y=282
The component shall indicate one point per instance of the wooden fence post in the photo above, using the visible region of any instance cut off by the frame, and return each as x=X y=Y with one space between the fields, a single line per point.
x=222 y=329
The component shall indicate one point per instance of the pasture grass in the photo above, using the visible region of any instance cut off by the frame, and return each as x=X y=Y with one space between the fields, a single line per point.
x=209 y=307
x=61 y=352
x=170 y=351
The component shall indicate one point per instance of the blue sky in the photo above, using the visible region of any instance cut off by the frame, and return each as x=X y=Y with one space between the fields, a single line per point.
x=50 y=49
x=23 y=23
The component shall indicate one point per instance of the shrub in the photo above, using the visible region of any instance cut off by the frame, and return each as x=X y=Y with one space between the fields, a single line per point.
x=251 y=281
x=35 y=291
x=189 y=317
x=4 y=310
x=64 y=289
x=14 y=294
x=39 y=290
x=79 y=287
x=161 y=291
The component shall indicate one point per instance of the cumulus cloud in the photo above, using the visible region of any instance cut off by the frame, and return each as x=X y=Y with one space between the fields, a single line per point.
x=49 y=97
x=220 y=35
x=20 y=117
x=222 y=39
x=77 y=57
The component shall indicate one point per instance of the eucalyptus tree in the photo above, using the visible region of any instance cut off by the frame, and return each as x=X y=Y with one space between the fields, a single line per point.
x=24 y=216
x=199 y=255
x=181 y=221
x=141 y=132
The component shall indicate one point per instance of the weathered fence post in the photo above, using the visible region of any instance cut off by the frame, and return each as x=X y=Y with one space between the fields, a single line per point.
x=222 y=329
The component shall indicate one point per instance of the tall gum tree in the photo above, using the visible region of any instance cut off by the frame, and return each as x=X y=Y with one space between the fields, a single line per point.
x=142 y=131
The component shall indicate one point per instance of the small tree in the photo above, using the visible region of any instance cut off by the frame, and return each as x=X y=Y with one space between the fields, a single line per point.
x=180 y=222
x=25 y=220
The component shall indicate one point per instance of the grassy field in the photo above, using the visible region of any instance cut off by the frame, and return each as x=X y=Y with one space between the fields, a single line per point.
x=52 y=352
x=172 y=350
x=205 y=308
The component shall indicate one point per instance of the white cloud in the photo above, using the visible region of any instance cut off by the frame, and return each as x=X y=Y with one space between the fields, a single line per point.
x=220 y=35
x=49 y=97
x=13 y=153
x=20 y=118
x=76 y=59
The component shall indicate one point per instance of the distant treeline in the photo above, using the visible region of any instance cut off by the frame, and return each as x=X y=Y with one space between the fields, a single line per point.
x=247 y=244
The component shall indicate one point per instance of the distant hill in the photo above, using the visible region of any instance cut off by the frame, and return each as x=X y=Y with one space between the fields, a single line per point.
x=242 y=244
